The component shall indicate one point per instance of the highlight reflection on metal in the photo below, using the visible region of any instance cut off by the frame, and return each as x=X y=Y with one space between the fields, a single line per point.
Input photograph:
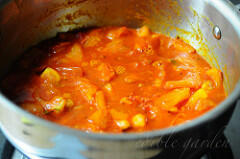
x=217 y=32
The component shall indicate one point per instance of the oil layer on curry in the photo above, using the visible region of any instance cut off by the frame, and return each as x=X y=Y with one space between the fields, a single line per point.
x=114 y=79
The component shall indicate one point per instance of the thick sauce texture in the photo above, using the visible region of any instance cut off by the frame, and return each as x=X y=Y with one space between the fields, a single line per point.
x=114 y=79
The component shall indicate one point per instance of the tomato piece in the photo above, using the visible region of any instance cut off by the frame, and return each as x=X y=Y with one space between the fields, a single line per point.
x=105 y=72
x=198 y=95
x=169 y=100
x=75 y=53
x=216 y=76
x=87 y=89
x=51 y=75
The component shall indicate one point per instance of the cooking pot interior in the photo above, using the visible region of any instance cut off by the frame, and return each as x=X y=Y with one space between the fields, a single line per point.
x=25 y=23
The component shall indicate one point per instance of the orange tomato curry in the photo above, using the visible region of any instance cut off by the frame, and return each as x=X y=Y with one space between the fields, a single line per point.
x=114 y=79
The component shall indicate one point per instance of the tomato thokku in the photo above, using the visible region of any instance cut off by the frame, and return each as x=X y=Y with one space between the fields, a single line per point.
x=114 y=79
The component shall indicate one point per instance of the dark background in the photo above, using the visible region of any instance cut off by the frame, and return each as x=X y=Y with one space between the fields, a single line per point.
x=235 y=1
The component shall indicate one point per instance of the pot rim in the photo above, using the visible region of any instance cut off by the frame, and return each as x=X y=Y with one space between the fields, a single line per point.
x=212 y=114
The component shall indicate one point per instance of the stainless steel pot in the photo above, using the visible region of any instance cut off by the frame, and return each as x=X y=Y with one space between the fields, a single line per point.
x=24 y=23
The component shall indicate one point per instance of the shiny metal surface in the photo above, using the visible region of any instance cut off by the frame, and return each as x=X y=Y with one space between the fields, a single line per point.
x=18 y=155
x=217 y=32
x=24 y=23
